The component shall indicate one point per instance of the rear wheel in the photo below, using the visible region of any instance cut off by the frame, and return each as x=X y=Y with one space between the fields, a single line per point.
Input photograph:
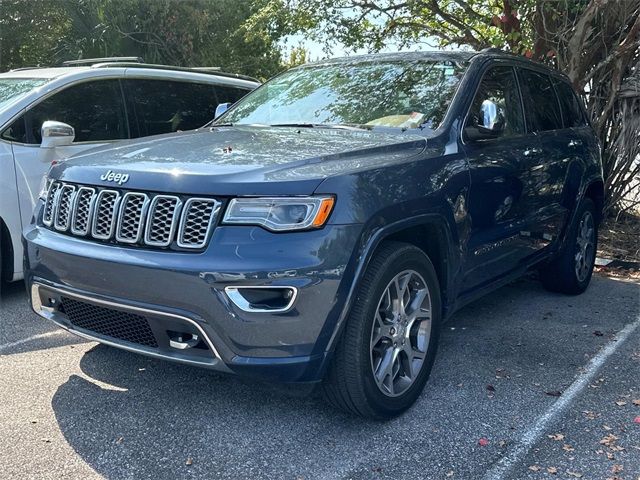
x=389 y=344
x=571 y=271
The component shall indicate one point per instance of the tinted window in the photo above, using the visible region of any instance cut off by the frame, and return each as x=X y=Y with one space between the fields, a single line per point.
x=497 y=103
x=16 y=132
x=94 y=109
x=541 y=103
x=166 y=106
x=230 y=94
x=571 y=109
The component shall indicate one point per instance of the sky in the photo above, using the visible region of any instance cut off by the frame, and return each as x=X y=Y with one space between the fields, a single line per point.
x=316 y=49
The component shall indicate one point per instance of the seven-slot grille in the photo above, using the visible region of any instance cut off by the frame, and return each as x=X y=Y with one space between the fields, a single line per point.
x=130 y=217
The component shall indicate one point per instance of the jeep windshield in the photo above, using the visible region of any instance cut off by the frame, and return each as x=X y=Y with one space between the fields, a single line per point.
x=398 y=94
x=14 y=87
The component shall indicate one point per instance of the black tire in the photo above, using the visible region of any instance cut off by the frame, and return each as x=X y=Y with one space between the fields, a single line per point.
x=561 y=274
x=350 y=383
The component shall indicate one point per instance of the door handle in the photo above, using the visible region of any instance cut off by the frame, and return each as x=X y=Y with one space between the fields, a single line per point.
x=530 y=152
x=575 y=143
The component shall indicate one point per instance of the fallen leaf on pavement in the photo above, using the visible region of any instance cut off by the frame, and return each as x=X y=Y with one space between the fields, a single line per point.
x=189 y=461
x=609 y=440
x=574 y=474
x=483 y=442
x=552 y=470
x=556 y=436
x=534 y=468
x=449 y=473
x=621 y=403
x=617 y=468
x=119 y=440
x=636 y=402
x=636 y=420
x=568 y=448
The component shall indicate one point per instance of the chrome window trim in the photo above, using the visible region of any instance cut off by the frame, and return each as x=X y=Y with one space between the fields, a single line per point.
x=116 y=207
x=92 y=202
x=174 y=220
x=141 y=223
x=185 y=210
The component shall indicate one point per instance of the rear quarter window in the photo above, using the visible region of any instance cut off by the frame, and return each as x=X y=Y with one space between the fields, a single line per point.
x=541 y=104
x=572 y=111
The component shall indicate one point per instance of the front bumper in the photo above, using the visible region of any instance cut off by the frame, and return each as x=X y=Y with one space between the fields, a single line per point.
x=184 y=293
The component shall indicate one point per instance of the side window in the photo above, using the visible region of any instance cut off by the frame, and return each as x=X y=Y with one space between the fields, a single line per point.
x=164 y=106
x=541 y=103
x=230 y=94
x=94 y=109
x=496 y=110
x=16 y=132
x=572 y=112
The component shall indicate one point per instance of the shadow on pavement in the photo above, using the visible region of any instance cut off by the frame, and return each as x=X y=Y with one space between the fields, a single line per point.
x=128 y=416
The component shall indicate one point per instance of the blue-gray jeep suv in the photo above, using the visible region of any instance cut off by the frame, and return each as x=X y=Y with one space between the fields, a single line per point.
x=322 y=228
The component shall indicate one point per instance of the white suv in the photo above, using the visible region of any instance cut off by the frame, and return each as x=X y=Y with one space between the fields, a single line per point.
x=48 y=114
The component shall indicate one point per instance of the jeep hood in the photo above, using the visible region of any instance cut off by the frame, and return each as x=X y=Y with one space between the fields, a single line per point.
x=238 y=160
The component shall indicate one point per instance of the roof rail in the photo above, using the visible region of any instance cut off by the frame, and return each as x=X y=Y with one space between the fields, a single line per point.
x=203 y=70
x=493 y=50
x=25 y=68
x=92 y=61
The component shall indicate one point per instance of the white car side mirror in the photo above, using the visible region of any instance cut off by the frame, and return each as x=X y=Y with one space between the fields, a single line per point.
x=56 y=134
x=221 y=108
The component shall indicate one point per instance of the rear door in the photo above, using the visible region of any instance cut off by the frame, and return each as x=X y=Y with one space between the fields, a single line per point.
x=548 y=176
x=502 y=199
x=95 y=109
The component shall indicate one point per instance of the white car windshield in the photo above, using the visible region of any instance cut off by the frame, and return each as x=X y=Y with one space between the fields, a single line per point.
x=10 y=88
x=401 y=94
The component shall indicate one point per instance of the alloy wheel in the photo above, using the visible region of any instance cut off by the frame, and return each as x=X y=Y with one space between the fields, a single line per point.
x=585 y=246
x=401 y=332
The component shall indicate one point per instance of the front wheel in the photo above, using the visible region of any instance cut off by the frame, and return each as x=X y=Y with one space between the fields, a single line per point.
x=571 y=271
x=389 y=343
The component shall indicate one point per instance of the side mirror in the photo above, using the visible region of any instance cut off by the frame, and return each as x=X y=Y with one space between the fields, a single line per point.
x=490 y=122
x=221 y=108
x=56 y=134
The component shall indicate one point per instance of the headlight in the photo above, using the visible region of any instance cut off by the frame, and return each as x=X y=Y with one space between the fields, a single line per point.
x=45 y=183
x=280 y=213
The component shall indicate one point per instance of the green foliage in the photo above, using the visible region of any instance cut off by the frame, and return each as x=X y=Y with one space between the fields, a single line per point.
x=184 y=33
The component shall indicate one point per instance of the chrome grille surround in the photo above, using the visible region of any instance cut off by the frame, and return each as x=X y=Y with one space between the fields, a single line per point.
x=50 y=204
x=195 y=224
x=163 y=217
x=64 y=203
x=104 y=218
x=133 y=209
x=82 y=210
x=130 y=217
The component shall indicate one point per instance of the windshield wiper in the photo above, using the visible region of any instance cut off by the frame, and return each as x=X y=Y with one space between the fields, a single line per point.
x=336 y=126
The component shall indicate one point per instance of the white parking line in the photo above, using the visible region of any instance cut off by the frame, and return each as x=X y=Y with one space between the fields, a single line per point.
x=8 y=346
x=531 y=436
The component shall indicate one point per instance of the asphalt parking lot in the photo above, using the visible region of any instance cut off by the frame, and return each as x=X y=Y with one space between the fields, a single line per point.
x=75 y=409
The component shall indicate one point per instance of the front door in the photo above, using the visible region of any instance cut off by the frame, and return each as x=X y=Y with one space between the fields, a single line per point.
x=503 y=158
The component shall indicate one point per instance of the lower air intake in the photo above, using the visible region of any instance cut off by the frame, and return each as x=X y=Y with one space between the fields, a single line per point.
x=108 y=322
